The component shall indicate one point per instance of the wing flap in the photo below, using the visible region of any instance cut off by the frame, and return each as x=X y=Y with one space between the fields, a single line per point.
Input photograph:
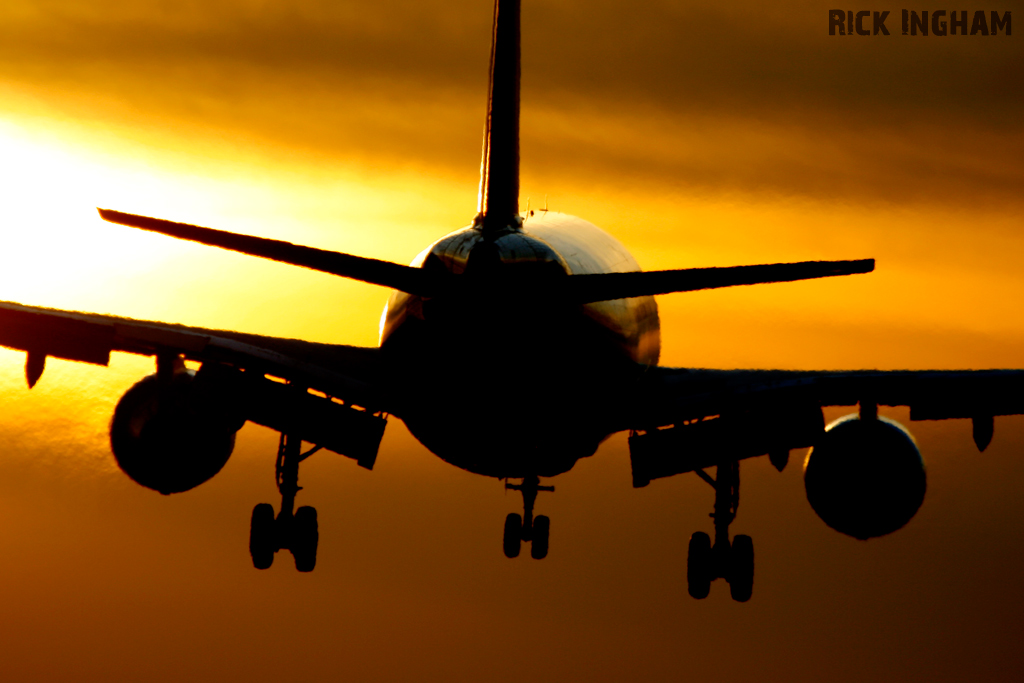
x=672 y=395
x=149 y=339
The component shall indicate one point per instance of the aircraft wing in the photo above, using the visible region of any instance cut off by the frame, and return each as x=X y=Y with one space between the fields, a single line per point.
x=342 y=371
x=241 y=364
x=756 y=412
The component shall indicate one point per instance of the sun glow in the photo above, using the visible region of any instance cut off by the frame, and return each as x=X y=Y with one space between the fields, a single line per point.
x=59 y=253
x=53 y=239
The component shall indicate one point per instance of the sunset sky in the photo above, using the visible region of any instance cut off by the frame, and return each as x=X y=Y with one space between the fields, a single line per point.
x=697 y=134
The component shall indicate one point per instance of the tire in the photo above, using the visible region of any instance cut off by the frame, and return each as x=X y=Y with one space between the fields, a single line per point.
x=539 y=546
x=741 y=568
x=698 y=566
x=261 y=536
x=305 y=538
x=513 y=535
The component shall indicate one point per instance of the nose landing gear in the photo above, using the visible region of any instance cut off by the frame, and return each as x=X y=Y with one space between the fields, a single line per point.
x=295 y=531
x=734 y=561
x=526 y=527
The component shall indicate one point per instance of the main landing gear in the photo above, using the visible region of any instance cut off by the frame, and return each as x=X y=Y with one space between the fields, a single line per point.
x=295 y=531
x=533 y=530
x=733 y=562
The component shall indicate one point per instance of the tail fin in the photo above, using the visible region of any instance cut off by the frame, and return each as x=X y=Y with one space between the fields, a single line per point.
x=498 y=203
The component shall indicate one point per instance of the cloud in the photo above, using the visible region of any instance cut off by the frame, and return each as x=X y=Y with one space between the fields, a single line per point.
x=731 y=98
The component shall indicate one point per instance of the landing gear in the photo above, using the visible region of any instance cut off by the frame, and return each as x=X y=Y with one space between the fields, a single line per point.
x=741 y=568
x=539 y=544
x=734 y=561
x=513 y=534
x=525 y=527
x=305 y=538
x=295 y=531
x=699 y=566
x=262 y=539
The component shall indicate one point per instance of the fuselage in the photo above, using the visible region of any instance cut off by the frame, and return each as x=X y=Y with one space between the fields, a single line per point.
x=500 y=375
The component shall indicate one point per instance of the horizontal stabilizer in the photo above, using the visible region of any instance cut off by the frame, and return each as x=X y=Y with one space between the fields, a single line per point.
x=607 y=286
x=385 y=273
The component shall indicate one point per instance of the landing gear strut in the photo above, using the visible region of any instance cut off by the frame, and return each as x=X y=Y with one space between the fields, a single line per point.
x=733 y=562
x=295 y=531
x=526 y=527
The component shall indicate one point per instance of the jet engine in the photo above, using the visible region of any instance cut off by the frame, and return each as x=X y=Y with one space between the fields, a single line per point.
x=865 y=477
x=169 y=436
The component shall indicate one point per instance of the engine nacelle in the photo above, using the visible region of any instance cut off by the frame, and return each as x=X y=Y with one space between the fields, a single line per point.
x=865 y=477
x=168 y=436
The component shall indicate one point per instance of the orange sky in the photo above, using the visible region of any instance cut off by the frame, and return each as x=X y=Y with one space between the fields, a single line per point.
x=698 y=135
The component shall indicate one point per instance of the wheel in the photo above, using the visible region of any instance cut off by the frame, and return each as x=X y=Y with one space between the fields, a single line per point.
x=513 y=534
x=305 y=538
x=539 y=546
x=261 y=536
x=741 y=568
x=698 y=566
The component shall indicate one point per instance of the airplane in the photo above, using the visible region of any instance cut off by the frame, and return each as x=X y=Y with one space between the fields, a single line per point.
x=512 y=348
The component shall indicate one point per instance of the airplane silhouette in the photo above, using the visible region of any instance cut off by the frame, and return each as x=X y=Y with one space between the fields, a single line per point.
x=512 y=348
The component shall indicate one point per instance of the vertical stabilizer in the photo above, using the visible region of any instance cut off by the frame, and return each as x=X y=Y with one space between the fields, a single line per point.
x=498 y=203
